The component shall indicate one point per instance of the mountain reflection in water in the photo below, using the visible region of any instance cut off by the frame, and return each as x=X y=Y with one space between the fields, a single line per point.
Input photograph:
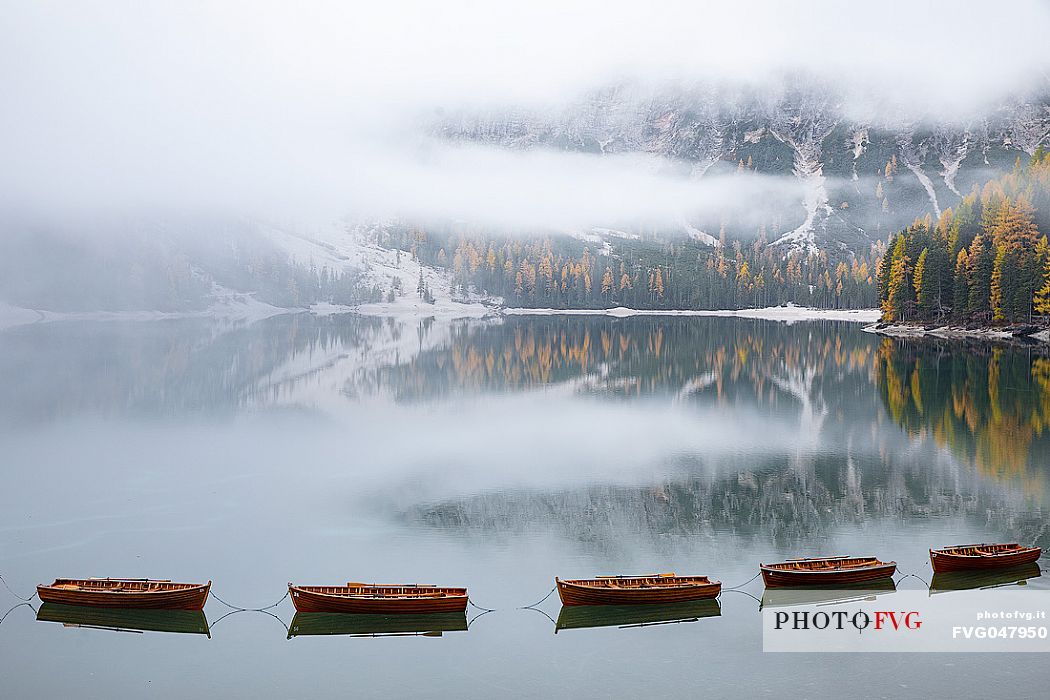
x=796 y=428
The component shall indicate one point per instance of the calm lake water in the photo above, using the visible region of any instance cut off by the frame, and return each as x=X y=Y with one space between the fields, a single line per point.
x=497 y=454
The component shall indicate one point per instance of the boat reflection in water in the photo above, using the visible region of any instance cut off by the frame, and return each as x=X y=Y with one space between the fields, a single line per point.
x=787 y=597
x=969 y=580
x=308 y=624
x=125 y=620
x=583 y=616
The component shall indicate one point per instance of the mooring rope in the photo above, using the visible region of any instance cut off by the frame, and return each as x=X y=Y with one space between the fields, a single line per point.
x=486 y=610
x=533 y=606
x=733 y=588
x=914 y=576
x=24 y=600
x=237 y=608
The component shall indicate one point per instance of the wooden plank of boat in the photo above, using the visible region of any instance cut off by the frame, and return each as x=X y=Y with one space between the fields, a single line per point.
x=378 y=599
x=586 y=616
x=125 y=620
x=125 y=593
x=967 y=557
x=636 y=590
x=825 y=571
x=971 y=579
x=371 y=625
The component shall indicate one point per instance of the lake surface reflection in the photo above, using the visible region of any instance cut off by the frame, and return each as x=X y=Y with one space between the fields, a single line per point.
x=494 y=454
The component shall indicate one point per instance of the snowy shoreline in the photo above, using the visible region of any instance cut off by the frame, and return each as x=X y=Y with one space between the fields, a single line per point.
x=787 y=313
x=902 y=330
x=446 y=309
x=250 y=310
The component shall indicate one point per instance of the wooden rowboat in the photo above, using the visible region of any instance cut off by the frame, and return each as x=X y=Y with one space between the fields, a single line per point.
x=372 y=598
x=118 y=620
x=586 y=616
x=649 y=589
x=825 y=571
x=967 y=557
x=427 y=625
x=125 y=593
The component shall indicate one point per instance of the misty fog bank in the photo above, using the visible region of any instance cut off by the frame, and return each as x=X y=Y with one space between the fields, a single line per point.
x=265 y=107
x=147 y=146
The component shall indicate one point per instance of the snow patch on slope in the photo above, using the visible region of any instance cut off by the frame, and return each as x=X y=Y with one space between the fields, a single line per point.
x=701 y=236
x=613 y=233
x=353 y=249
x=858 y=142
x=816 y=204
x=1030 y=127
x=384 y=266
x=951 y=151
x=804 y=129
x=912 y=157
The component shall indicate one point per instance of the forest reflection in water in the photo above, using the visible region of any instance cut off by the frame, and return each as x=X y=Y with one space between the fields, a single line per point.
x=806 y=425
x=988 y=404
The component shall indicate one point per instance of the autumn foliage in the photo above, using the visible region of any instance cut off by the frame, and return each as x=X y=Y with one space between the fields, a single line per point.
x=986 y=261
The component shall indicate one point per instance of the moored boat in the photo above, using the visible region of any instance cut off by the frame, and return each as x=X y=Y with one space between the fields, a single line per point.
x=371 y=598
x=825 y=571
x=363 y=625
x=125 y=620
x=647 y=589
x=586 y=616
x=125 y=593
x=970 y=557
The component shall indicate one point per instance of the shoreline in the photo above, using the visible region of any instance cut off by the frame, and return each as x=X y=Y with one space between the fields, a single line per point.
x=788 y=314
x=249 y=310
x=949 y=332
x=242 y=310
x=453 y=310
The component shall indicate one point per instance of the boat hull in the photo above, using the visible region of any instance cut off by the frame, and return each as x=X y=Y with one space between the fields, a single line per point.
x=781 y=578
x=944 y=561
x=583 y=594
x=95 y=593
x=328 y=599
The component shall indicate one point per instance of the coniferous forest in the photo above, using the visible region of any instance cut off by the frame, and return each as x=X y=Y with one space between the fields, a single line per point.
x=642 y=271
x=985 y=261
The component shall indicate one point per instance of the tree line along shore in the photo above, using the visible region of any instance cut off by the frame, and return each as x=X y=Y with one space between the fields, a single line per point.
x=984 y=265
